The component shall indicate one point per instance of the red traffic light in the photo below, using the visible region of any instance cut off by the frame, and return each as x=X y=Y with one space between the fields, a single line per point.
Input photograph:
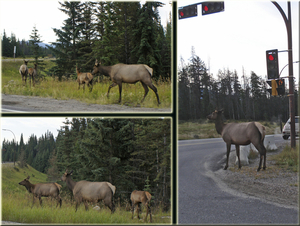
x=181 y=13
x=188 y=11
x=271 y=57
x=212 y=7
x=205 y=8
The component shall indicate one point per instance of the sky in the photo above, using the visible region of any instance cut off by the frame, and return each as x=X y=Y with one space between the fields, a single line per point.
x=19 y=17
x=238 y=37
x=28 y=126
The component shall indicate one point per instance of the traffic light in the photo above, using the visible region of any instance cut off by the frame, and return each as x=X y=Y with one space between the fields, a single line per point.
x=212 y=7
x=280 y=87
x=277 y=87
x=272 y=64
x=187 y=11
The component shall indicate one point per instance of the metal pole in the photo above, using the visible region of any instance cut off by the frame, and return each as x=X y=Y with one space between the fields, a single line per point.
x=15 y=140
x=288 y=24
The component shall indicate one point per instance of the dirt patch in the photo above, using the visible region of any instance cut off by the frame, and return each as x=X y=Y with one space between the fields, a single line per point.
x=41 y=104
x=275 y=184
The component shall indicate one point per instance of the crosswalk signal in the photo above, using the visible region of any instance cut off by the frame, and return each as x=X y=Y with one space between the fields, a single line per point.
x=277 y=87
x=212 y=7
x=272 y=64
x=188 y=11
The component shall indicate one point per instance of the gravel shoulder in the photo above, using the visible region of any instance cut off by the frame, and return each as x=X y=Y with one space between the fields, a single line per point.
x=40 y=104
x=275 y=184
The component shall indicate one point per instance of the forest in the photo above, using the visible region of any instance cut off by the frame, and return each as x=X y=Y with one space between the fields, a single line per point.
x=129 y=153
x=243 y=97
x=112 y=32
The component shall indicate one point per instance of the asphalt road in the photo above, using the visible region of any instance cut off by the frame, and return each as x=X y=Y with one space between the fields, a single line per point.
x=204 y=199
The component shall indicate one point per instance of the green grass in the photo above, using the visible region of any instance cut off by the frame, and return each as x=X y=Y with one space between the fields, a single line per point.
x=203 y=129
x=17 y=202
x=132 y=94
x=288 y=158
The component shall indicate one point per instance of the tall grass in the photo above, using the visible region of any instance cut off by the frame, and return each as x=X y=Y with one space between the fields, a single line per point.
x=17 y=205
x=288 y=158
x=132 y=94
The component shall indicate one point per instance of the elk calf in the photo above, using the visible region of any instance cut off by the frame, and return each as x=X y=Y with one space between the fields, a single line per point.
x=32 y=73
x=143 y=197
x=42 y=190
x=84 y=78
x=24 y=71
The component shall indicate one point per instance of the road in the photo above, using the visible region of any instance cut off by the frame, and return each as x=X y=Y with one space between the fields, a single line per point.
x=204 y=199
x=19 y=103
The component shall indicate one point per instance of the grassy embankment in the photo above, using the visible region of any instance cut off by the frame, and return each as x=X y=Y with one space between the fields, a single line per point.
x=17 y=202
x=132 y=94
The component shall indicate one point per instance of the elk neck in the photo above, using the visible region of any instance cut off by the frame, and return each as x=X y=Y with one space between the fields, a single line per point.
x=70 y=183
x=105 y=70
x=219 y=124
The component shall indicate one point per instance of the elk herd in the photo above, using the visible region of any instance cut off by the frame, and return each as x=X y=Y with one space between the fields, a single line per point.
x=86 y=192
x=118 y=73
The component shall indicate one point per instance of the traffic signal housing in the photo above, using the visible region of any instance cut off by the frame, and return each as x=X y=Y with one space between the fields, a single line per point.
x=277 y=87
x=187 y=11
x=272 y=64
x=212 y=7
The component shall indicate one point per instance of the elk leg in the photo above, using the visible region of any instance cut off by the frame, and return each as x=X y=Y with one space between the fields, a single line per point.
x=150 y=213
x=112 y=85
x=120 y=92
x=155 y=91
x=32 y=201
x=132 y=210
x=237 y=147
x=146 y=91
x=147 y=211
x=40 y=198
x=86 y=206
x=228 y=152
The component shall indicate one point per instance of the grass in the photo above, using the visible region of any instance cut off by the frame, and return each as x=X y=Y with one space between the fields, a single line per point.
x=204 y=129
x=132 y=94
x=288 y=158
x=17 y=202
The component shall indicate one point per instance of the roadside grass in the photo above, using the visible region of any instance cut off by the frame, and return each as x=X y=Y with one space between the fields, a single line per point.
x=17 y=205
x=288 y=158
x=203 y=129
x=132 y=94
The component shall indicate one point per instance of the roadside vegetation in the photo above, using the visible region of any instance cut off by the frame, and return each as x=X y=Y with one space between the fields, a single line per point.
x=288 y=158
x=17 y=202
x=48 y=85
x=203 y=129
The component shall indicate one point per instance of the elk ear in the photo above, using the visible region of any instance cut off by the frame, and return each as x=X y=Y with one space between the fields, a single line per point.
x=28 y=178
x=71 y=172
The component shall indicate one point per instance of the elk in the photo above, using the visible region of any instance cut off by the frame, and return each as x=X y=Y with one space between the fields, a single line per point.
x=127 y=73
x=143 y=197
x=32 y=73
x=24 y=71
x=84 y=78
x=240 y=134
x=86 y=191
x=42 y=190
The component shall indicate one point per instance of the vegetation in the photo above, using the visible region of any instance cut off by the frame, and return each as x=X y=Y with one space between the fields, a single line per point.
x=288 y=158
x=132 y=154
x=203 y=129
x=16 y=204
x=68 y=88
x=243 y=97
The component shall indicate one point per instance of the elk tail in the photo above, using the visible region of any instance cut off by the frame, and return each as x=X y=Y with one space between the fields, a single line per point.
x=58 y=186
x=113 y=188
x=261 y=129
x=148 y=196
x=149 y=69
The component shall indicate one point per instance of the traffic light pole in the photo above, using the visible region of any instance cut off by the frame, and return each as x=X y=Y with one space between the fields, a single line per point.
x=288 y=24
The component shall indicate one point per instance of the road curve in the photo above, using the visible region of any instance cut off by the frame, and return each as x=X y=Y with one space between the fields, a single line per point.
x=202 y=199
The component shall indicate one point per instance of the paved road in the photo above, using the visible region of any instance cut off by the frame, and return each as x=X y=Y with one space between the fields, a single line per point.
x=204 y=199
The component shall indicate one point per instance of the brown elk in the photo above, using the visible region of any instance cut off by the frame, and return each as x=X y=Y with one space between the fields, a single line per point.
x=84 y=78
x=32 y=72
x=143 y=197
x=42 y=190
x=125 y=73
x=240 y=134
x=24 y=71
x=86 y=191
